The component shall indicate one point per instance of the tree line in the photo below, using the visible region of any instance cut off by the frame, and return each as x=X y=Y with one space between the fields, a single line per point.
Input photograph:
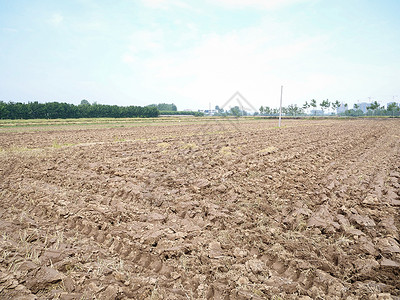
x=57 y=110
x=331 y=108
x=290 y=110
x=373 y=109
x=236 y=111
x=164 y=107
x=182 y=113
x=171 y=110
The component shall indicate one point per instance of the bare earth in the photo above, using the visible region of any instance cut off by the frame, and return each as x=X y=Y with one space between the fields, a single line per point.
x=217 y=210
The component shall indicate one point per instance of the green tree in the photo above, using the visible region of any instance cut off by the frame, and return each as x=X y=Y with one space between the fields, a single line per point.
x=167 y=107
x=373 y=107
x=336 y=105
x=261 y=109
x=325 y=104
x=4 y=113
x=235 y=111
x=393 y=109
x=306 y=106
x=220 y=111
x=313 y=103
x=293 y=110
x=85 y=102
x=353 y=113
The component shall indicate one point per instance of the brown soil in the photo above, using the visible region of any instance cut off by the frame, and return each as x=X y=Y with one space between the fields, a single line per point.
x=202 y=211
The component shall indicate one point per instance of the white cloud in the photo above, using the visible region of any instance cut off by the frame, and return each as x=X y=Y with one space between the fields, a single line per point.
x=254 y=61
x=127 y=58
x=56 y=19
x=8 y=29
x=147 y=41
x=166 y=4
x=233 y=4
x=155 y=3
x=259 y=4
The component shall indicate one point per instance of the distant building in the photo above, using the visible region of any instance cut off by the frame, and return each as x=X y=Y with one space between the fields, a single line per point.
x=317 y=112
x=363 y=106
x=341 y=109
x=208 y=111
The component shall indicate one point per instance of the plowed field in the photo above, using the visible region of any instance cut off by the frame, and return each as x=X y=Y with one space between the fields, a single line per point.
x=214 y=210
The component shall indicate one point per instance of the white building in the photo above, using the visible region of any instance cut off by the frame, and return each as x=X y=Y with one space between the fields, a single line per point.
x=363 y=106
x=341 y=109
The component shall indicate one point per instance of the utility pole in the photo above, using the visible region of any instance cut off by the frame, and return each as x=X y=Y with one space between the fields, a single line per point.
x=280 y=107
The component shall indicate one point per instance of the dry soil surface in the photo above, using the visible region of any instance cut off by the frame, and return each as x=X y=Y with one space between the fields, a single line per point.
x=202 y=211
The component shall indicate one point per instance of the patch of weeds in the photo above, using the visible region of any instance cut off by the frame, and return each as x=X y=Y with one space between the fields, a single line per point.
x=17 y=149
x=52 y=287
x=226 y=151
x=69 y=144
x=27 y=237
x=253 y=174
x=53 y=241
x=276 y=297
x=33 y=255
x=56 y=145
x=183 y=259
x=190 y=146
x=119 y=140
x=343 y=241
x=301 y=225
x=5 y=254
x=268 y=150
x=155 y=295
x=258 y=292
x=59 y=236
x=163 y=145
x=102 y=265
x=225 y=237
x=277 y=127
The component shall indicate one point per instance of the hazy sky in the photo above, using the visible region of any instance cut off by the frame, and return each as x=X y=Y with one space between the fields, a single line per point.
x=192 y=53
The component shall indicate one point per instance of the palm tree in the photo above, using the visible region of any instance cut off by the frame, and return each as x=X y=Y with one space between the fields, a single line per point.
x=306 y=106
x=325 y=105
x=373 y=106
x=393 y=108
x=336 y=105
x=313 y=103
